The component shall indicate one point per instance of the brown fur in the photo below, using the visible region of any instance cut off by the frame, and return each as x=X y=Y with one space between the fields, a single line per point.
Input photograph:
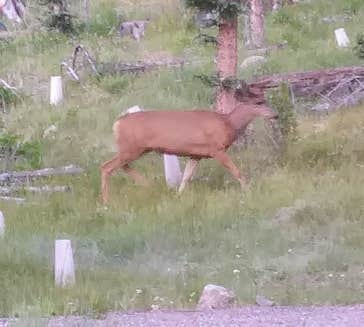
x=195 y=134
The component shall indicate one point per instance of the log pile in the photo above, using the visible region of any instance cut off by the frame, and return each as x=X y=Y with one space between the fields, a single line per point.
x=82 y=59
x=18 y=181
x=337 y=87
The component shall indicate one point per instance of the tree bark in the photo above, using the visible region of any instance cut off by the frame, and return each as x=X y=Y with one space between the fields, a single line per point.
x=257 y=23
x=227 y=62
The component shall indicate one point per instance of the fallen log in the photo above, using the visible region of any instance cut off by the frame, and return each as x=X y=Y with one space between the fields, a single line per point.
x=81 y=57
x=267 y=50
x=23 y=176
x=8 y=198
x=33 y=189
x=138 y=67
x=303 y=84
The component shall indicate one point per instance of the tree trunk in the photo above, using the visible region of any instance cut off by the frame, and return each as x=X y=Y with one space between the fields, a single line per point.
x=257 y=23
x=227 y=62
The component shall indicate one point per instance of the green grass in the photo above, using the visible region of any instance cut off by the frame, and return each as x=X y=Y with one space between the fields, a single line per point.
x=311 y=40
x=169 y=246
x=153 y=240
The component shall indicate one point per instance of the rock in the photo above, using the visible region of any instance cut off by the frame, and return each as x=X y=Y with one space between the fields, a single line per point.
x=321 y=107
x=319 y=127
x=263 y=302
x=206 y=19
x=216 y=297
x=49 y=130
x=285 y=214
x=252 y=61
x=2 y=27
x=135 y=29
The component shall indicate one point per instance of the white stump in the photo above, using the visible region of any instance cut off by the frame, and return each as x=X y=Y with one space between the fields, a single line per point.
x=56 y=92
x=172 y=170
x=64 y=270
x=342 y=38
x=2 y=225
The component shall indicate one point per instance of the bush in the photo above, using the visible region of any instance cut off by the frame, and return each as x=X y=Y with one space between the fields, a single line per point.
x=6 y=97
x=57 y=17
x=352 y=7
x=11 y=149
x=114 y=84
x=281 y=101
x=104 y=21
x=359 y=47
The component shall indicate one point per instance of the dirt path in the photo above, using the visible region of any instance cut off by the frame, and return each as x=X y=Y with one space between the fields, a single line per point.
x=335 y=316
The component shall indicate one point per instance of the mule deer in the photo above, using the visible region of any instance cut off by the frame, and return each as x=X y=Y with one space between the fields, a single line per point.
x=195 y=134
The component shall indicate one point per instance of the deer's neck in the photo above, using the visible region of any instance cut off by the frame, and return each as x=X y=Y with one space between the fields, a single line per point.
x=240 y=118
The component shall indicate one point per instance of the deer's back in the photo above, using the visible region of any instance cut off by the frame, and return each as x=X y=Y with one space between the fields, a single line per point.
x=196 y=133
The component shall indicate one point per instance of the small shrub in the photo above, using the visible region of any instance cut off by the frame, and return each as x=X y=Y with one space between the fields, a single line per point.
x=284 y=18
x=42 y=42
x=352 y=7
x=11 y=149
x=104 y=21
x=226 y=8
x=317 y=152
x=114 y=84
x=6 y=97
x=292 y=40
x=281 y=18
x=281 y=101
x=359 y=47
x=32 y=153
x=57 y=17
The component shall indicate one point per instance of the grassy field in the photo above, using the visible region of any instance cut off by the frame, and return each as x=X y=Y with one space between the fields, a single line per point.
x=152 y=246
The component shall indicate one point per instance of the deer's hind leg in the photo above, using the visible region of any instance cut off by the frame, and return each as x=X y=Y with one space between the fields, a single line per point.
x=106 y=170
x=138 y=178
x=121 y=160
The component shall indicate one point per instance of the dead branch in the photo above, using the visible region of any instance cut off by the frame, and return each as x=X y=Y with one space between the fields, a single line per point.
x=86 y=55
x=9 y=87
x=5 y=191
x=333 y=85
x=304 y=82
x=73 y=69
x=8 y=198
x=71 y=72
x=138 y=67
x=267 y=50
x=23 y=176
